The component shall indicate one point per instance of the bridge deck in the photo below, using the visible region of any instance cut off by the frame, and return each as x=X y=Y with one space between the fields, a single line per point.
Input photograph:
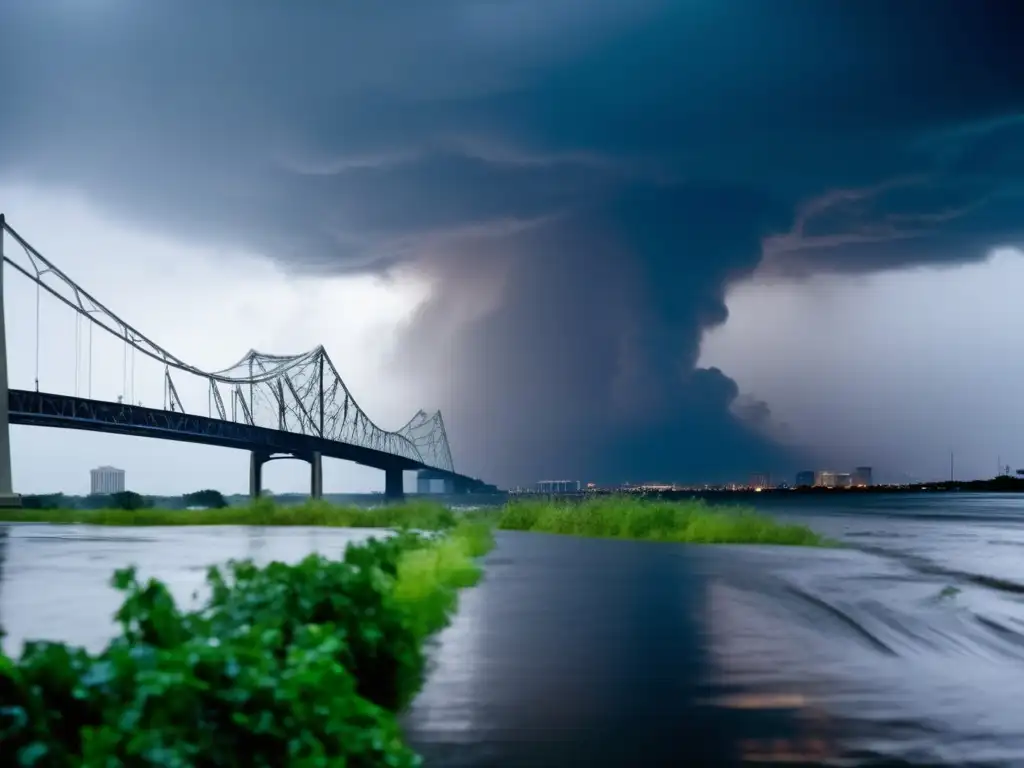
x=44 y=409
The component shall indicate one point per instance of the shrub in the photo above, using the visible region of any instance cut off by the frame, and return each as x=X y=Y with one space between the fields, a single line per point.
x=300 y=665
x=128 y=500
x=208 y=498
x=382 y=652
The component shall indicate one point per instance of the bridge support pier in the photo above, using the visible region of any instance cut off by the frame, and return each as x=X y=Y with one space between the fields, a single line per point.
x=316 y=471
x=256 y=461
x=394 y=485
x=7 y=496
x=316 y=475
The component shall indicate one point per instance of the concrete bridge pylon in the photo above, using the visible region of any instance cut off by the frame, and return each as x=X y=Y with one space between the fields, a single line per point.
x=8 y=498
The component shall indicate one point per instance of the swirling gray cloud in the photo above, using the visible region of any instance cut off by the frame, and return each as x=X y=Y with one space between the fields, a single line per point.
x=605 y=169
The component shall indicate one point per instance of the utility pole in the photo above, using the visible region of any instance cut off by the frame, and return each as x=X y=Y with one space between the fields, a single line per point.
x=951 y=466
x=7 y=496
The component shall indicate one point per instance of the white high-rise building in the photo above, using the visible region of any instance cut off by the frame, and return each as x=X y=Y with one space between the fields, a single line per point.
x=106 y=480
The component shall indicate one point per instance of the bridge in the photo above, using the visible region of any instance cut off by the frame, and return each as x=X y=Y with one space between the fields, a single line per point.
x=274 y=406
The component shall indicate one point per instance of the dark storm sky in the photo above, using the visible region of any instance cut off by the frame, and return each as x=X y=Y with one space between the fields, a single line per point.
x=596 y=173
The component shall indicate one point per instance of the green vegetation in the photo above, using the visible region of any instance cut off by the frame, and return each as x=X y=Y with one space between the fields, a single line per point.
x=302 y=665
x=625 y=517
x=208 y=498
x=120 y=500
x=131 y=500
x=421 y=515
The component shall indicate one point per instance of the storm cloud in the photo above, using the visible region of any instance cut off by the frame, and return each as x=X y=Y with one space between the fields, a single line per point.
x=581 y=182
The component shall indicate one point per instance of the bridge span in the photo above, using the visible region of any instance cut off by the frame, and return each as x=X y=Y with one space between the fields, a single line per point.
x=274 y=406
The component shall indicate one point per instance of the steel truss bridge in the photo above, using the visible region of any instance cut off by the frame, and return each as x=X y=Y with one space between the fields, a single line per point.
x=274 y=406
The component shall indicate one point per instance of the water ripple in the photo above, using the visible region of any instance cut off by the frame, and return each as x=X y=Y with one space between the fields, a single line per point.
x=905 y=648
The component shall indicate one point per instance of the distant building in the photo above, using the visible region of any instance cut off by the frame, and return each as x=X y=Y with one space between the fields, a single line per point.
x=558 y=486
x=761 y=480
x=862 y=477
x=106 y=480
x=428 y=482
x=805 y=478
x=843 y=480
x=824 y=479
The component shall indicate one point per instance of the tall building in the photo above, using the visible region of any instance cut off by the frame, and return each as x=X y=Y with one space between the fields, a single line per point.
x=862 y=477
x=558 y=486
x=805 y=478
x=761 y=480
x=824 y=479
x=106 y=480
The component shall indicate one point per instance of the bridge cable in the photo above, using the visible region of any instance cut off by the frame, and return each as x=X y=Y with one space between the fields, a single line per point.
x=132 y=398
x=78 y=353
x=89 y=394
x=37 y=337
x=124 y=369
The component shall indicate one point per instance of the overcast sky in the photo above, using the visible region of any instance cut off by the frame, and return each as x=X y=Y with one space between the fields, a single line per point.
x=611 y=240
x=207 y=305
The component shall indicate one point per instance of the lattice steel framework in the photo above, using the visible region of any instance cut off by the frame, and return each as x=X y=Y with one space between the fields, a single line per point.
x=301 y=394
x=427 y=433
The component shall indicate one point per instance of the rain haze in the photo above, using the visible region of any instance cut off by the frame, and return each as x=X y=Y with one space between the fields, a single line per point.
x=611 y=241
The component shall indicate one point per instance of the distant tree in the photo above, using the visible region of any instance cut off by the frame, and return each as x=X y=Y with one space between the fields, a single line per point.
x=97 y=501
x=1007 y=483
x=208 y=498
x=45 y=501
x=128 y=500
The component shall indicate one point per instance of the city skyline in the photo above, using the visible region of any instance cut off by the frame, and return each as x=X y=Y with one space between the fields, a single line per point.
x=773 y=267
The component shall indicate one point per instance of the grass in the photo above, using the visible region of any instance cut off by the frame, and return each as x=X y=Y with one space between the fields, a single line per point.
x=428 y=578
x=420 y=515
x=623 y=517
x=618 y=517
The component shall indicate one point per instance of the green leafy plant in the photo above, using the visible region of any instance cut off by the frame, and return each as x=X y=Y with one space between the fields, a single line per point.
x=297 y=665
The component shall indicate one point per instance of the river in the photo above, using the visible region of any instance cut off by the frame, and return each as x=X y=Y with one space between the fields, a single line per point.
x=905 y=647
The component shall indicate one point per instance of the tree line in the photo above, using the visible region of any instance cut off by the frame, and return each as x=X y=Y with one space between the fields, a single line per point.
x=206 y=498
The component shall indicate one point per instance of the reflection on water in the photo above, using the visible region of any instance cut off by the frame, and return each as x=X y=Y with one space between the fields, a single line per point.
x=4 y=535
x=905 y=648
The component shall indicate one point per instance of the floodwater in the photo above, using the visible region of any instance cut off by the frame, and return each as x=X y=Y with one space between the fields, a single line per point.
x=905 y=648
